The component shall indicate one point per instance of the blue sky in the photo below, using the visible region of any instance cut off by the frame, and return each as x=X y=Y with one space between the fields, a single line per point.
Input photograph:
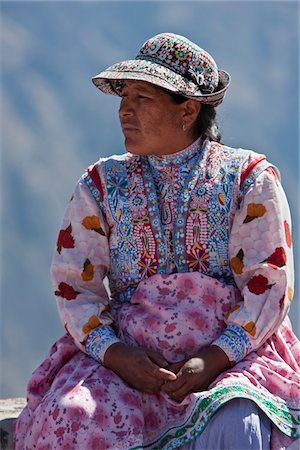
x=54 y=123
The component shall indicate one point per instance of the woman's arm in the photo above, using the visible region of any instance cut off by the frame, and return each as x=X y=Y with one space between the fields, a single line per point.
x=262 y=262
x=80 y=264
x=261 y=258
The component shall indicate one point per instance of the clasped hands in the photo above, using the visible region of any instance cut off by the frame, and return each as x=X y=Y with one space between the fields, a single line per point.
x=149 y=372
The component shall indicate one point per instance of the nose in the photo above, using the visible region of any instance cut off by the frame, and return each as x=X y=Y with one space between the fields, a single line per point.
x=126 y=107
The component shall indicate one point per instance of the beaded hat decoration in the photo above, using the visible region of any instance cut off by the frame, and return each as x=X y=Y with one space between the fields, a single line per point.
x=172 y=62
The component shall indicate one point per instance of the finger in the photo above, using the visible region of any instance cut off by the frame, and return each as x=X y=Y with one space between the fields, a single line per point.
x=163 y=374
x=158 y=359
x=173 y=386
x=159 y=372
x=174 y=367
x=181 y=393
x=179 y=397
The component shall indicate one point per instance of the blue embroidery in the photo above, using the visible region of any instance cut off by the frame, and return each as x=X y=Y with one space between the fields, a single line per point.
x=235 y=343
x=99 y=340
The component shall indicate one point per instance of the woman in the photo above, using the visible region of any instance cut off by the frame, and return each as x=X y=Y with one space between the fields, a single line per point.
x=194 y=237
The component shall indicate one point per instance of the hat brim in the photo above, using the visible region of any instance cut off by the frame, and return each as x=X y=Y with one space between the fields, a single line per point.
x=144 y=70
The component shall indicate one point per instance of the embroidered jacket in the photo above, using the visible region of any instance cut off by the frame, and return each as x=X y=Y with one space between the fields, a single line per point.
x=213 y=209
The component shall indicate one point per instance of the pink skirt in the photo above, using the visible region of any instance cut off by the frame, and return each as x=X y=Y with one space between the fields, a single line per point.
x=76 y=403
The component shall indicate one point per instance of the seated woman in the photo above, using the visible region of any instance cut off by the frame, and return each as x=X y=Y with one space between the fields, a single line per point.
x=192 y=348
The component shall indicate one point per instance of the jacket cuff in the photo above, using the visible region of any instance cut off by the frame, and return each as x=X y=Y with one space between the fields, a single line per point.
x=235 y=343
x=99 y=340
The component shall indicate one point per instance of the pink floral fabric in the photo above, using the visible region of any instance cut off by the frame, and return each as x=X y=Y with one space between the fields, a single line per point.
x=225 y=227
x=75 y=403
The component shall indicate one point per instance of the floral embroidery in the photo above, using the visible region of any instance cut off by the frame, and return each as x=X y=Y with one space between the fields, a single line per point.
x=92 y=323
x=254 y=211
x=65 y=239
x=88 y=271
x=258 y=284
x=250 y=328
x=141 y=198
x=66 y=291
x=237 y=262
x=83 y=388
x=235 y=343
x=198 y=258
x=93 y=223
x=281 y=302
x=278 y=258
x=99 y=340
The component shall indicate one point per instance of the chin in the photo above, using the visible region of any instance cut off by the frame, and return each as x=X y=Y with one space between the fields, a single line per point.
x=136 y=149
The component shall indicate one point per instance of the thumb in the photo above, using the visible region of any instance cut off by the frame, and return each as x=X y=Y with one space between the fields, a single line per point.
x=160 y=369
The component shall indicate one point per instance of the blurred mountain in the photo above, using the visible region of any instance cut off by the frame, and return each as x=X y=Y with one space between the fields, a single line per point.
x=54 y=123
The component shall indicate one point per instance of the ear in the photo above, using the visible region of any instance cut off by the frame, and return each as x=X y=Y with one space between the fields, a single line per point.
x=191 y=110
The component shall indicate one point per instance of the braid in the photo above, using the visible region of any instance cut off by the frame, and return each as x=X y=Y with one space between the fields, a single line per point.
x=207 y=125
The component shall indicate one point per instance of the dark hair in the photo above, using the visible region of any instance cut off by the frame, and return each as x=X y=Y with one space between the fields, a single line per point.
x=206 y=124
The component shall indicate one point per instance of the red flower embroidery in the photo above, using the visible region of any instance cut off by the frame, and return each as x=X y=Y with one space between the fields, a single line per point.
x=281 y=302
x=66 y=291
x=288 y=236
x=278 y=258
x=65 y=239
x=258 y=284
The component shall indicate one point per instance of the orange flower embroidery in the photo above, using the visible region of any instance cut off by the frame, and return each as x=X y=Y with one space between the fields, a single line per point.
x=93 y=223
x=254 y=210
x=250 y=328
x=237 y=262
x=92 y=323
x=288 y=236
x=290 y=294
x=88 y=271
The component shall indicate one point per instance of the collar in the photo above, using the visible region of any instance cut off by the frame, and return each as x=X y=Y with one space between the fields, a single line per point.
x=176 y=159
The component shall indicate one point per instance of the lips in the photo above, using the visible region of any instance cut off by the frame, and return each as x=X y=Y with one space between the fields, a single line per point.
x=129 y=127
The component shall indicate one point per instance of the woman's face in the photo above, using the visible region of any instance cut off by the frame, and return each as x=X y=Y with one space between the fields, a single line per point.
x=151 y=121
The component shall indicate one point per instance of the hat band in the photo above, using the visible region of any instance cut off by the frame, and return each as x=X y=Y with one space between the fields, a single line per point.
x=189 y=75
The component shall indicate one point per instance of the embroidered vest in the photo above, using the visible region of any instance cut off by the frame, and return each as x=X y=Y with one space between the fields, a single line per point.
x=124 y=189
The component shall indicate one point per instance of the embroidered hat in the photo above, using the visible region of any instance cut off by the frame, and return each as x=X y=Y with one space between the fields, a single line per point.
x=172 y=62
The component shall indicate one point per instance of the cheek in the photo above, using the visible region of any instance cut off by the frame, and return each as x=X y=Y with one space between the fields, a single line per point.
x=160 y=123
x=152 y=123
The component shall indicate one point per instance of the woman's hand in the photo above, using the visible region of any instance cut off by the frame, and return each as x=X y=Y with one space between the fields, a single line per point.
x=196 y=373
x=140 y=368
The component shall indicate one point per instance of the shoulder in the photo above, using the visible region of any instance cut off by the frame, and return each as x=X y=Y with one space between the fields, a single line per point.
x=97 y=174
x=235 y=154
x=243 y=160
x=113 y=163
